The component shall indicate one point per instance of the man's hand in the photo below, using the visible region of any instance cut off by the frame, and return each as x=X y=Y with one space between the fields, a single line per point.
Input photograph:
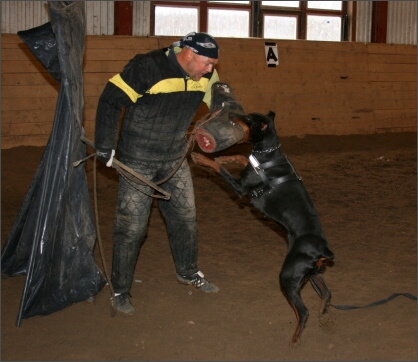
x=106 y=156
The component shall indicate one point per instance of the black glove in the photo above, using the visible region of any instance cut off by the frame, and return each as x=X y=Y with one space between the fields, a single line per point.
x=105 y=156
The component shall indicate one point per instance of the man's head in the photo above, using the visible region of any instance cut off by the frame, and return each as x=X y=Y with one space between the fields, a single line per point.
x=199 y=54
x=202 y=44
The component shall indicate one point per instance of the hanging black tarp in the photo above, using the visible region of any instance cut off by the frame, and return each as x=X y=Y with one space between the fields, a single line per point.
x=52 y=239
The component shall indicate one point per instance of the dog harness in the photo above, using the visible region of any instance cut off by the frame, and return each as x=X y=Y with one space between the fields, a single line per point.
x=269 y=185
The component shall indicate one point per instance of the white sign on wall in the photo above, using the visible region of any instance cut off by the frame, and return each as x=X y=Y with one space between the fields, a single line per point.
x=272 y=54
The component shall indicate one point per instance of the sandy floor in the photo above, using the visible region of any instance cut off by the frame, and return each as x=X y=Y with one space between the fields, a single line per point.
x=364 y=188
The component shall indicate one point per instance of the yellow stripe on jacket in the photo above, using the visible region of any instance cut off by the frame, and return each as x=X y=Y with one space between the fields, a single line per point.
x=168 y=85
x=120 y=83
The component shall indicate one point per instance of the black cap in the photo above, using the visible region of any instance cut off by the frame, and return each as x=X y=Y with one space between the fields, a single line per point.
x=201 y=43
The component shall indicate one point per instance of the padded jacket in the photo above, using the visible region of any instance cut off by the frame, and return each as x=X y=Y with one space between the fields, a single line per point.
x=160 y=102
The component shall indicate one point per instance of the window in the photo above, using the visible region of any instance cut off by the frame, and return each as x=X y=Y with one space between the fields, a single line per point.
x=231 y=23
x=175 y=20
x=323 y=28
x=281 y=27
x=218 y=18
x=310 y=20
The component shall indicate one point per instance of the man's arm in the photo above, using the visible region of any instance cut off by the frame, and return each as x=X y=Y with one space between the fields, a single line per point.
x=208 y=95
x=121 y=91
x=109 y=109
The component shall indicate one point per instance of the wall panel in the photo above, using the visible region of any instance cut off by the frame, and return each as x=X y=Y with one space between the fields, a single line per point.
x=364 y=21
x=23 y=15
x=402 y=22
x=320 y=88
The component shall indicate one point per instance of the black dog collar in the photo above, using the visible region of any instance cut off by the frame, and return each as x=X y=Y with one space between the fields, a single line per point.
x=267 y=150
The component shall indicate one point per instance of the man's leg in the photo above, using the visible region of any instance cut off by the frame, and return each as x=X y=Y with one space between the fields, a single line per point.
x=132 y=213
x=180 y=216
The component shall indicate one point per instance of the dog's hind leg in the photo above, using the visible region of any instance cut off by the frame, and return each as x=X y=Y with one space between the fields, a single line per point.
x=291 y=285
x=320 y=287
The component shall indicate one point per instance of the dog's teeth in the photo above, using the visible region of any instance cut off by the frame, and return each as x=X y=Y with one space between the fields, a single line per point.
x=207 y=142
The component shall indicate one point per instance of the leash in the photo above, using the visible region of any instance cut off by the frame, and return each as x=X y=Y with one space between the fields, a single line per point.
x=128 y=172
x=129 y=175
x=132 y=175
x=378 y=302
x=99 y=242
x=373 y=304
x=99 y=238
x=270 y=184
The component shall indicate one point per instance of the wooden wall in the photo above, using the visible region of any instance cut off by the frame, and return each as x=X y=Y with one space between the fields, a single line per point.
x=322 y=88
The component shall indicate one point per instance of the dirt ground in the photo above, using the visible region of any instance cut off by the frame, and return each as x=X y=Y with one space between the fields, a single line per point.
x=364 y=188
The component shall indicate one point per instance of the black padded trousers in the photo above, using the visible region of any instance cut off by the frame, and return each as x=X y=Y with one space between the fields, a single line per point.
x=132 y=214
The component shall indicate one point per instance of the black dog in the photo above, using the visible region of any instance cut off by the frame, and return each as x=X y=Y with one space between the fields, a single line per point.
x=274 y=188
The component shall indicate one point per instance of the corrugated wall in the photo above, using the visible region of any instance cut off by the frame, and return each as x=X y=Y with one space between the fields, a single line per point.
x=23 y=15
x=141 y=14
x=99 y=17
x=402 y=22
x=364 y=21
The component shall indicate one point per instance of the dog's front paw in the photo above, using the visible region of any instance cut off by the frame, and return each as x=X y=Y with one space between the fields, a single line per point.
x=202 y=160
x=239 y=159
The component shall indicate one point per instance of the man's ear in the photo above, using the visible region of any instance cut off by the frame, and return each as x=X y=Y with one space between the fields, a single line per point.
x=185 y=54
x=188 y=53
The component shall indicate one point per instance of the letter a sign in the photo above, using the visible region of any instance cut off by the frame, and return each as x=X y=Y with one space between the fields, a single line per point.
x=272 y=54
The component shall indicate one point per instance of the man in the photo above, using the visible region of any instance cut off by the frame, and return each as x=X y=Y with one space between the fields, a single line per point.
x=160 y=92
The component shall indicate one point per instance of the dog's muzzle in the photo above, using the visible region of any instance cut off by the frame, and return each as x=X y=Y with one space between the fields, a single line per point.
x=219 y=130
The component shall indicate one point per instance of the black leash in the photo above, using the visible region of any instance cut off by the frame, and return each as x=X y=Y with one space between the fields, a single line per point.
x=379 y=302
x=99 y=241
x=131 y=175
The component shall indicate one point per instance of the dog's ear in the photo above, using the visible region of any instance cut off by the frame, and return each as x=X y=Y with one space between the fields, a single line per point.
x=271 y=115
x=270 y=120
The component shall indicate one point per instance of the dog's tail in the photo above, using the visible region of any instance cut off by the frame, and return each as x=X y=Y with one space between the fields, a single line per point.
x=328 y=254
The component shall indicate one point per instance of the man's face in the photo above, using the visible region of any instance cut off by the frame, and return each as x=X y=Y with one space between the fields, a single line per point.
x=199 y=65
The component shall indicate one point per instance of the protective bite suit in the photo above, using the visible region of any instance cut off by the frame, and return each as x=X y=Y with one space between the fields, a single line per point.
x=161 y=101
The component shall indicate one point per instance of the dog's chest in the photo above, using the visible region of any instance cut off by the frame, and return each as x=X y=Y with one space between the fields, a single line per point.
x=250 y=178
x=265 y=172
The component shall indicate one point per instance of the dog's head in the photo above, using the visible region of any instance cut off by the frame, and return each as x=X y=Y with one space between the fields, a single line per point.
x=262 y=133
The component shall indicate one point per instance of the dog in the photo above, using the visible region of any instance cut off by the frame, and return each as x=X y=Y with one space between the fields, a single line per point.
x=274 y=188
